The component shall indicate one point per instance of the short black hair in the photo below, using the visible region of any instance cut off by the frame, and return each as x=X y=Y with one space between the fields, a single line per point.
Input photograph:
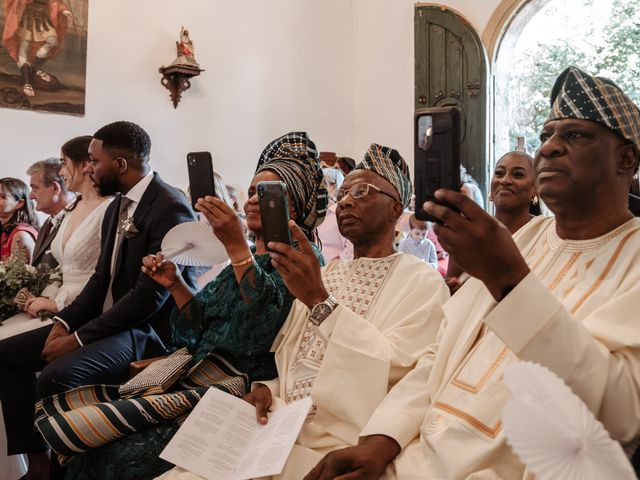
x=125 y=137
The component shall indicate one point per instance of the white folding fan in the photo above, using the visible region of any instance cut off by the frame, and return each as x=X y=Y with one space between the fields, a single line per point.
x=554 y=433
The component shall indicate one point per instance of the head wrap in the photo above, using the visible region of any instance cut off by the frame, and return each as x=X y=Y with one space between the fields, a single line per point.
x=577 y=94
x=388 y=163
x=294 y=158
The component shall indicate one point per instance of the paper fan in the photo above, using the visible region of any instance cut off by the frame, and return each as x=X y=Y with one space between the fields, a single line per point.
x=554 y=433
x=193 y=244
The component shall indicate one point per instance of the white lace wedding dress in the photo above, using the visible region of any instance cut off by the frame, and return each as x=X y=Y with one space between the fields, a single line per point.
x=77 y=260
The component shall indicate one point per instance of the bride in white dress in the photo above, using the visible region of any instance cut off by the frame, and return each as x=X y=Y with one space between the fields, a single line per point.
x=76 y=248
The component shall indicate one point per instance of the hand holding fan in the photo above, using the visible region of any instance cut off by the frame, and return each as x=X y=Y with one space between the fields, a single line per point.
x=193 y=244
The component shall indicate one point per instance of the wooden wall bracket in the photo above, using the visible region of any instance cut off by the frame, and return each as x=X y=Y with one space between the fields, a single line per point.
x=176 y=79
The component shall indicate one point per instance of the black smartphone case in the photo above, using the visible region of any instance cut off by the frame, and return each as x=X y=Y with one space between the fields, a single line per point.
x=274 y=212
x=437 y=156
x=201 y=183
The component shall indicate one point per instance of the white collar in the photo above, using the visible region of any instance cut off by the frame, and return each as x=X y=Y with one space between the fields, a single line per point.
x=136 y=193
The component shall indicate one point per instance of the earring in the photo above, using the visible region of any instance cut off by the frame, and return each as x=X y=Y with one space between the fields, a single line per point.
x=534 y=200
x=490 y=197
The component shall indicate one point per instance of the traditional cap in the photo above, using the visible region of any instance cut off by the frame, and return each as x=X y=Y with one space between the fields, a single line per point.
x=294 y=158
x=388 y=163
x=577 y=94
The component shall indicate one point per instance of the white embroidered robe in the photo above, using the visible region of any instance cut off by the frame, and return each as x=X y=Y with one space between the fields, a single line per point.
x=577 y=313
x=389 y=313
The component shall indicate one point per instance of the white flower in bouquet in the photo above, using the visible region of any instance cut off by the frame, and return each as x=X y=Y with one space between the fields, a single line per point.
x=20 y=277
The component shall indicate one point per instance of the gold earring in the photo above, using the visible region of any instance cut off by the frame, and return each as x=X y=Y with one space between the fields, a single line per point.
x=534 y=200
x=490 y=197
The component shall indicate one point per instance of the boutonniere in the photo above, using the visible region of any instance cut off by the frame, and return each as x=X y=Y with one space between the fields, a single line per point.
x=128 y=228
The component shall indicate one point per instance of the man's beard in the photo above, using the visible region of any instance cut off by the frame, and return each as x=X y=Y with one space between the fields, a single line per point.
x=108 y=185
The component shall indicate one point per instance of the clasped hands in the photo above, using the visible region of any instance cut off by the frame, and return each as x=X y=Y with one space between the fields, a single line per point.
x=34 y=305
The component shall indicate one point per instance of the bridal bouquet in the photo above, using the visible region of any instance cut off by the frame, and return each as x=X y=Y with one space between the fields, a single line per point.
x=19 y=281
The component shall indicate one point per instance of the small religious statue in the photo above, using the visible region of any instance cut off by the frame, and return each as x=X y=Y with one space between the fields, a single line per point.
x=176 y=77
x=185 y=50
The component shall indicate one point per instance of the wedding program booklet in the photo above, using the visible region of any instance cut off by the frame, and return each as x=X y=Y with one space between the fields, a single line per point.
x=222 y=440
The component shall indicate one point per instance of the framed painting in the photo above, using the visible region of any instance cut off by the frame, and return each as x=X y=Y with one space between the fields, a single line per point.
x=43 y=55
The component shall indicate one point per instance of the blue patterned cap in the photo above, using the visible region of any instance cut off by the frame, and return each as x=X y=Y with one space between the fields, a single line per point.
x=390 y=165
x=577 y=94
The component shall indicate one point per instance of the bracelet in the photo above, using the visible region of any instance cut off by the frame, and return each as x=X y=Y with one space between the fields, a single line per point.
x=244 y=262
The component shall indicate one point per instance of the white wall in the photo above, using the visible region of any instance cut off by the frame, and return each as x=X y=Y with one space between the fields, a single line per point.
x=271 y=67
x=340 y=69
x=383 y=68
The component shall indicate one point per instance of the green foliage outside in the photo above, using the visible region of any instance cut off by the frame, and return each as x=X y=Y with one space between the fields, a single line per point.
x=599 y=37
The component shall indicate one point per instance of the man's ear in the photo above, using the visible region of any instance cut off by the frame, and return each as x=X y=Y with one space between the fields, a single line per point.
x=122 y=165
x=628 y=161
x=398 y=208
x=57 y=188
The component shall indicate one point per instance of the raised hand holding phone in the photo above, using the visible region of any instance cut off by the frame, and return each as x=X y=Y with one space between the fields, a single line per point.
x=300 y=269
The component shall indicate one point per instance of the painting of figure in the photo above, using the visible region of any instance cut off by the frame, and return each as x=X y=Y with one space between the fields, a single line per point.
x=43 y=55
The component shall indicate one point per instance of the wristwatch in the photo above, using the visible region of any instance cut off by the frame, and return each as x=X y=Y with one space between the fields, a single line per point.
x=322 y=310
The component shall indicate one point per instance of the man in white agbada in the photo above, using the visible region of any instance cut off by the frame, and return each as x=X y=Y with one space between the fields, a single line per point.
x=566 y=295
x=358 y=326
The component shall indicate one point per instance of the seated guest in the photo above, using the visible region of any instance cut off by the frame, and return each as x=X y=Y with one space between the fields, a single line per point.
x=120 y=313
x=513 y=190
x=443 y=257
x=17 y=219
x=514 y=195
x=565 y=295
x=334 y=245
x=470 y=187
x=51 y=196
x=237 y=315
x=77 y=247
x=357 y=326
x=346 y=164
x=417 y=243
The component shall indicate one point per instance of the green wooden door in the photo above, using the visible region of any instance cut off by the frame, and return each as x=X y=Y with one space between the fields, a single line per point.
x=451 y=69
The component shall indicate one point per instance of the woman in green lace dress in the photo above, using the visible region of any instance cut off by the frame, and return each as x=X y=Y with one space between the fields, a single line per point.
x=236 y=316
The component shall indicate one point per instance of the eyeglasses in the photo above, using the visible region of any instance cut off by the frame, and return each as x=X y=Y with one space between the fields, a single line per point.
x=360 y=190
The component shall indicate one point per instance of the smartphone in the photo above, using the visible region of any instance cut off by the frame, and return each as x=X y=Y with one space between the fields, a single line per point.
x=274 y=212
x=437 y=154
x=201 y=183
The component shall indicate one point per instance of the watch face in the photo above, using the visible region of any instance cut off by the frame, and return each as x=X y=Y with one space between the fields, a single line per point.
x=320 y=312
x=323 y=310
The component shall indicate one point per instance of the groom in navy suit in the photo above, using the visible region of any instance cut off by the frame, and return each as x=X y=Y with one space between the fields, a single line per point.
x=120 y=316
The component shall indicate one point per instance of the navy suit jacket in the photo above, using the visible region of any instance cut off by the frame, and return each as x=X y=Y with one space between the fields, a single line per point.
x=140 y=304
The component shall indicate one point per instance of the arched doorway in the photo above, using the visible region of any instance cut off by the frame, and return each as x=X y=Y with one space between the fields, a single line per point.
x=451 y=68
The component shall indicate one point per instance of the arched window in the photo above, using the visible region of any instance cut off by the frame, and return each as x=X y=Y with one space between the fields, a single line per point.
x=529 y=43
x=542 y=38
